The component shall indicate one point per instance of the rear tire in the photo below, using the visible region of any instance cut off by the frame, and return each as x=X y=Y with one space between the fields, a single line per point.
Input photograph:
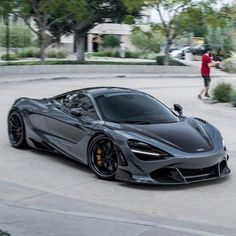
x=102 y=157
x=16 y=130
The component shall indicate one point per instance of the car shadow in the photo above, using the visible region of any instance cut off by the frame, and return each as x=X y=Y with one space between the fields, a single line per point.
x=62 y=159
x=176 y=187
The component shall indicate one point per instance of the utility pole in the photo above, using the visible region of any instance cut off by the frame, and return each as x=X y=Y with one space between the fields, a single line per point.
x=7 y=37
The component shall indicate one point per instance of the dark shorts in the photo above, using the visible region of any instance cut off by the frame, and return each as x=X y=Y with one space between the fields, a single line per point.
x=207 y=80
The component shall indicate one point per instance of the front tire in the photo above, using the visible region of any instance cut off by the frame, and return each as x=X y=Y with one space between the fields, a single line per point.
x=102 y=157
x=16 y=130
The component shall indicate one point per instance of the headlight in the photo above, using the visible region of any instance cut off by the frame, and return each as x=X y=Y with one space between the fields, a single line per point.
x=146 y=152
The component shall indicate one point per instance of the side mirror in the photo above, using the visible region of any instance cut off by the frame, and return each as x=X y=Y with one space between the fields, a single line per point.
x=77 y=112
x=179 y=109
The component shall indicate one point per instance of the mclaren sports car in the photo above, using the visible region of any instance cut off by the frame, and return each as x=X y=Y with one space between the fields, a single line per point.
x=122 y=134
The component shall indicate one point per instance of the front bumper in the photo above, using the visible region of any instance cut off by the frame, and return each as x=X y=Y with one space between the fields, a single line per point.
x=178 y=171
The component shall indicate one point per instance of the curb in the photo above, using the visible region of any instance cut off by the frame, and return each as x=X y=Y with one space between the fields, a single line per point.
x=137 y=69
x=6 y=79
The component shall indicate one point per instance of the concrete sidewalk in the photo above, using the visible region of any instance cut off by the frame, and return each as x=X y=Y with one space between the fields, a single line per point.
x=103 y=69
x=32 y=212
x=191 y=68
x=95 y=72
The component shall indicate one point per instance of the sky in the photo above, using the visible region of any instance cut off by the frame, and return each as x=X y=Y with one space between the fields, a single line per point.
x=155 y=17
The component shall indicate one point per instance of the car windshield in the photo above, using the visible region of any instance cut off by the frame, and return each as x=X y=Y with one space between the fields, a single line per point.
x=134 y=109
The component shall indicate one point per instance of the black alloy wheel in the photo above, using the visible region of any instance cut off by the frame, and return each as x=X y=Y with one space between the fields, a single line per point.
x=102 y=157
x=16 y=130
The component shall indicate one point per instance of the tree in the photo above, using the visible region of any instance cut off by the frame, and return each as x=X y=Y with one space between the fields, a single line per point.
x=5 y=8
x=222 y=35
x=38 y=14
x=20 y=36
x=60 y=28
x=99 y=11
x=65 y=17
x=41 y=12
x=78 y=16
x=176 y=16
x=221 y=28
x=93 y=12
x=150 y=40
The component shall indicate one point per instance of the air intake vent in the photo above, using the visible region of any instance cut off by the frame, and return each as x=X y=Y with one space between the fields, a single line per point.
x=203 y=121
x=42 y=145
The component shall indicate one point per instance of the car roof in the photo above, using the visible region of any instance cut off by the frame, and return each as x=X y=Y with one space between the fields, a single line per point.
x=98 y=91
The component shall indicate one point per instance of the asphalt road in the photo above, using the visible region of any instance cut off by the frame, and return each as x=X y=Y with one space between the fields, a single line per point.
x=45 y=194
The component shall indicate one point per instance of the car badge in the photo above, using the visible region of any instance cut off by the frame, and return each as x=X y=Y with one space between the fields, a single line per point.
x=200 y=149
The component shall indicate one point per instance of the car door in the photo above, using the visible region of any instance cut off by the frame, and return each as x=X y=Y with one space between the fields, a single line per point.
x=71 y=133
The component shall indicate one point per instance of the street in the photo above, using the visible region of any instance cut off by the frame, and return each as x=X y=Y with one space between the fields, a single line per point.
x=46 y=194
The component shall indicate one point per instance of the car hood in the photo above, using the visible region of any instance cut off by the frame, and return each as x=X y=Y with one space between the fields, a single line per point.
x=188 y=136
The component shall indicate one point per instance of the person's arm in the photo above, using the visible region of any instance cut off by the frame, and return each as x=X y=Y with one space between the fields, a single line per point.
x=213 y=64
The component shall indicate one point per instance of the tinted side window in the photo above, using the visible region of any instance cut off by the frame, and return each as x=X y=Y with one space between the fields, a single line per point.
x=81 y=101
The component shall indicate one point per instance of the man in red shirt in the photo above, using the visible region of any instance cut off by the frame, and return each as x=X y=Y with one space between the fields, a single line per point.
x=205 y=72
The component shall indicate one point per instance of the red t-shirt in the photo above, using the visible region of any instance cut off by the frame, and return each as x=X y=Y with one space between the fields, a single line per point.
x=205 y=69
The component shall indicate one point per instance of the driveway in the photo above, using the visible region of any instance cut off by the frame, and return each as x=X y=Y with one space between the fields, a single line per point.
x=45 y=194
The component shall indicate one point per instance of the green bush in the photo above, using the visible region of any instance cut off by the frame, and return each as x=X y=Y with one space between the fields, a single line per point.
x=111 y=41
x=102 y=54
x=61 y=54
x=130 y=54
x=222 y=92
x=116 y=53
x=160 y=60
x=72 y=62
x=233 y=97
x=229 y=65
x=51 y=53
x=35 y=52
x=55 y=53
x=26 y=52
x=12 y=57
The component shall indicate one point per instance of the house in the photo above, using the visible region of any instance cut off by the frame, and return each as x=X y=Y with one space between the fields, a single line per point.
x=123 y=31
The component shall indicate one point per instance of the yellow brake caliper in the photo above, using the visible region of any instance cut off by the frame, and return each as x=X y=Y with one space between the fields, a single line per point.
x=99 y=157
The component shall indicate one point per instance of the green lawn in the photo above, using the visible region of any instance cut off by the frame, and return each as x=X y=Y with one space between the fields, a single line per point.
x=71 y=62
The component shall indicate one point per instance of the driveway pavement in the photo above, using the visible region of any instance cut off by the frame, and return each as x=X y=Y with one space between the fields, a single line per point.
x=45 y=194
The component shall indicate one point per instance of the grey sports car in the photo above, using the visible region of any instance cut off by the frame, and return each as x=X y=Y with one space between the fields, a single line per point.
x=121 y=134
